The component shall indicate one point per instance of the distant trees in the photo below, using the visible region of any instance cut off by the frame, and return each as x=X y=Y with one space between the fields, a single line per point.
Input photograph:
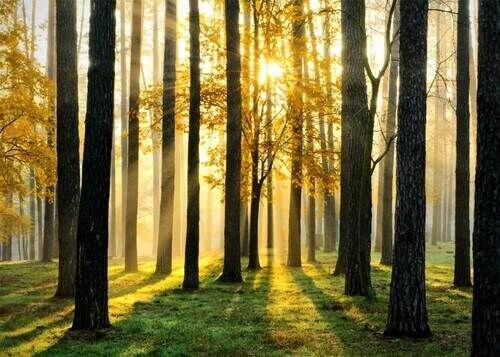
x=486 y=238
x=91 y=284
x=133 y=139
x=191 y=270
x=68 y=155
x=462 y=229
x=407 y=304
x=164 y=254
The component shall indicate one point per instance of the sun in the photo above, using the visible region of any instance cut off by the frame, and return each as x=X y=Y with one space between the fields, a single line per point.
x=269 y=69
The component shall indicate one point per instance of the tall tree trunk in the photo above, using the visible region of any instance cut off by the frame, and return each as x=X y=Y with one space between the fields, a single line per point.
x=49 y=223
x=390 y=131
x=155 y=138
x=354 y=115
x=191 y=270
x=232 y=265
x=296 y=111
x=133 y=139
x=164 y=257
x=407 y=303
x=256 y=187
x=438 y=174
x=68 y=155
x=330 y=223
x=462 y=228
x=124 y=124
x=486 y=241
x=91 y=285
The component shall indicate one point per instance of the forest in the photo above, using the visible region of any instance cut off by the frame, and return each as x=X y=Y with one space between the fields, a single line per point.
x=249 y=177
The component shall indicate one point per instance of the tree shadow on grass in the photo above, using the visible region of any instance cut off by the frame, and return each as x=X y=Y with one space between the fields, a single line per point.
x=219 y=319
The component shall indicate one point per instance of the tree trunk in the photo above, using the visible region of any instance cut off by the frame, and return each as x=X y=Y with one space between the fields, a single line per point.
x=486 y=241
x=438 y=174
x=68 y=155
x=390 y=131
x=191 y=270
x=49 y=222
x=164 y=254
x=133 y=139
x=462 y=228
x=407 y=303
x=232 y=265
x=296 y=111
x=32 y=210
x=253 y=261
x=91 y=284
x=124 y=124
x=330 y=223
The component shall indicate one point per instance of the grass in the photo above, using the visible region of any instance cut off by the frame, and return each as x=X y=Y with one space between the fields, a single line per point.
x=276 y=311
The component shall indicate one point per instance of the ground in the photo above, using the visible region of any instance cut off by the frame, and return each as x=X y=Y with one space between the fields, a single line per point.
x=276 y=311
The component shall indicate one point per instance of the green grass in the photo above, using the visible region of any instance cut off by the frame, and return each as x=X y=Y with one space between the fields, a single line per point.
x=276 y=311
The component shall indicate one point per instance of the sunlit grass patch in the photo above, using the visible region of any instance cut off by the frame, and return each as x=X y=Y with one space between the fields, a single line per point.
x=275 y=311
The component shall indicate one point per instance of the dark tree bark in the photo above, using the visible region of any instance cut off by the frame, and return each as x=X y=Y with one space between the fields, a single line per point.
x=133 y=139
x=91 y=284
x=32 y=213
x=407 y=304
x=68 y=157
x=486 y=240
x=49 y=222
x=296 y=111
x=232 y=265
x=462 y=227
x=124 y=124
x=191 y=270
x=164 y=257
x=354 y=115
x=390 y=131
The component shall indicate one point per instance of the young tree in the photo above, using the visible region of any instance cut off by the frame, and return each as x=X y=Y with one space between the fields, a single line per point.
x=407 y=304
x=294 y=218
x=164 y=255
x=68 y=157
x=486 y=239
x=191 y=270
x=462 y=229
x=133 y=139
x=232 y=265
x=91 y=284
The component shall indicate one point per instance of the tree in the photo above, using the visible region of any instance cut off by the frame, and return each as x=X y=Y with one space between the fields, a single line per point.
x=124 y=122
x=91 y=284
x=354 y=115
x=388 y=166
x=49 y=222
x=294 y=218
x=164 y=255
x=133 y=139
x=462 y=228
x=232 y=265
x=191 y=270
x=407 y=304
x=68 y=156
x=486 y=237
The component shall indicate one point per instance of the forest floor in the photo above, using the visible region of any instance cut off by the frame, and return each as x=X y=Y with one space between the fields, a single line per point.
x=276 y=311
